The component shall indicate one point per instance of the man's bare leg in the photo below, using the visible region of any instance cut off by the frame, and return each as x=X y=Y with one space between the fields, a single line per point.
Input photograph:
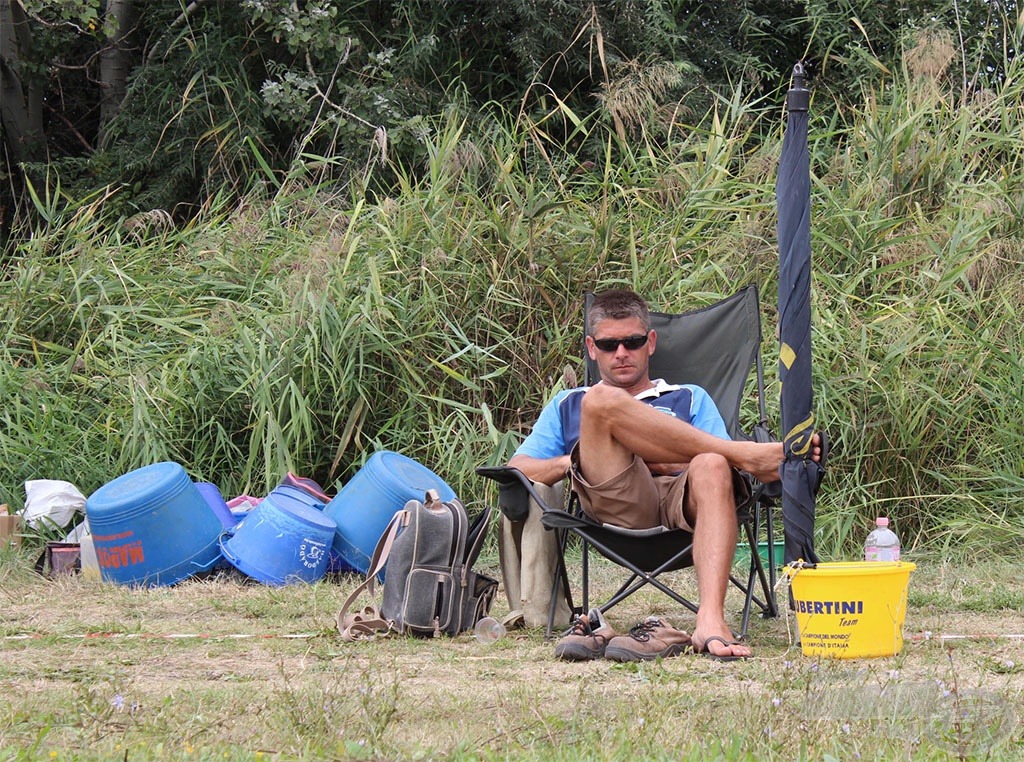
x=614 y=425
x=711 y=509
x=602 y=453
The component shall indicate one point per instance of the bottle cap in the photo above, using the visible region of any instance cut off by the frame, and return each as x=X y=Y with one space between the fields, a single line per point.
x=882 y=521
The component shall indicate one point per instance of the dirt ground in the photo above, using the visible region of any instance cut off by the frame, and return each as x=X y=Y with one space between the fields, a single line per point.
x=76 y=615
x=257 y=646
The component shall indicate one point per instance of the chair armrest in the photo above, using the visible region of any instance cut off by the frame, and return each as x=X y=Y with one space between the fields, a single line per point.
x=514 y=491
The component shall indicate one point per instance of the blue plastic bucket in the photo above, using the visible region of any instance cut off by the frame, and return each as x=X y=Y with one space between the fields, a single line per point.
x=306 y=485
x=280 y=545
x=291 y=497
x=152 y=527
x=364 y=506
x=213 y=497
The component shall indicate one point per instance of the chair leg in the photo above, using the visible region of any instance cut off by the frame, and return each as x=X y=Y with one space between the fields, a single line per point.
x=756 y=573
x=638 y=580
x=769 y=607
x=772 y=563
x=585 y=569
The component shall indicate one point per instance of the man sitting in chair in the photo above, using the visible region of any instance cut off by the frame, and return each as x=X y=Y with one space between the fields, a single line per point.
x=642 y=453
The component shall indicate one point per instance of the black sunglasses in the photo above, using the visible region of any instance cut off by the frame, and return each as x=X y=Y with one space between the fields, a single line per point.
x=630 y=343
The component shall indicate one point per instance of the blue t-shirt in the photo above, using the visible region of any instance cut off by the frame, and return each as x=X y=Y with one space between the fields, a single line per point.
x=558 y=428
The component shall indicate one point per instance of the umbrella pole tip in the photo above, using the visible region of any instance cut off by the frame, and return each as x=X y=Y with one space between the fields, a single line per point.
x=799 y=97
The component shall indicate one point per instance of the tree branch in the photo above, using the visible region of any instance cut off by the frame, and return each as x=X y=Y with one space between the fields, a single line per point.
x=190 y=10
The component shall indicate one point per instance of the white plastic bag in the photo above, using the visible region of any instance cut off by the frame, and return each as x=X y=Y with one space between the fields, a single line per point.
x=48 y=501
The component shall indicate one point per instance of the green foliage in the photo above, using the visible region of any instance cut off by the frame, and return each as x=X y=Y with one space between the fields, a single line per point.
x=310 y=326
x=216 y=83
x=857 y=41
x=328 y=91
x=187 y=122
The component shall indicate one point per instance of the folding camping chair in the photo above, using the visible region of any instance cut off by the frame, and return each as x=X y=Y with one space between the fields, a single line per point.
x=717 y=347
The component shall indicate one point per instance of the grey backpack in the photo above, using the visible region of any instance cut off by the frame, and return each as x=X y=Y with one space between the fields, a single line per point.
x=430 y=588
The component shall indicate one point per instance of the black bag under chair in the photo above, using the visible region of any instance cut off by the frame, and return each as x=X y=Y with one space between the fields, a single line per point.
x=427 y=553
x=718 y=348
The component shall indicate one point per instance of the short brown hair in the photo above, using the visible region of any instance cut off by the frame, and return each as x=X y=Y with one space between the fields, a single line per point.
x=617 y=304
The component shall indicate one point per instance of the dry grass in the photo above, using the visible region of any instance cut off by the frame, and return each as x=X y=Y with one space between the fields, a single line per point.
x=221 y=669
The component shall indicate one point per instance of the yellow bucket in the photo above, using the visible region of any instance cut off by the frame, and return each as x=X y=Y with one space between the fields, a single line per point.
x=851 y=610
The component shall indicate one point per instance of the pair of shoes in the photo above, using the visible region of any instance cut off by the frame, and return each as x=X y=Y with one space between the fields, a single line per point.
x=705 y=651
x=652 y=638
x=586 y=639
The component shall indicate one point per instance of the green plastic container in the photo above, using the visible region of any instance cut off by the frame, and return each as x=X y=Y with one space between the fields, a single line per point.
x=743 y=553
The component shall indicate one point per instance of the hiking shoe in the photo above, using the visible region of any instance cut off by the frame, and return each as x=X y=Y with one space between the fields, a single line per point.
x=586 y=639
x=651 y=639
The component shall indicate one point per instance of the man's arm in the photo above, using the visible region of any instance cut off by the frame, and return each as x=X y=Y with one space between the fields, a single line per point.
x=544 y=470
x=541 y=456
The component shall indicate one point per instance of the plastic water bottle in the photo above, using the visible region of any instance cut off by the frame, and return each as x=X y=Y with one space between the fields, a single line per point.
x=488 y=630
x=89 y=561
x=882 y=544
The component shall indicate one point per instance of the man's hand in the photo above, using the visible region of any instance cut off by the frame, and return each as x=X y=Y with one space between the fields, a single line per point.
x=546 y=471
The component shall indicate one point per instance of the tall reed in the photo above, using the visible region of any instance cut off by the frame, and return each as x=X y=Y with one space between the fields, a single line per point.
x=306 y=330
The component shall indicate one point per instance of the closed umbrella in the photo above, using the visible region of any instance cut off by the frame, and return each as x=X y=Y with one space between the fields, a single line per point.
x=800 y=474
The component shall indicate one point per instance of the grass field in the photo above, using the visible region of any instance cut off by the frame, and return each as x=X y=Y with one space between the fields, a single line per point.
x=221 y=669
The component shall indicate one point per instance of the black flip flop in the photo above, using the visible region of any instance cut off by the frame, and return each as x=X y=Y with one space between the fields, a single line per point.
x=720 y=657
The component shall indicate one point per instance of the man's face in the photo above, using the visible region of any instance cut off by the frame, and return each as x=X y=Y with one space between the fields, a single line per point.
x=618 y=364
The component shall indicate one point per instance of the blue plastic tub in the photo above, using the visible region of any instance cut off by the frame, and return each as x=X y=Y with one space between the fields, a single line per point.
x=363 y=508
x=279 y=544
x=152 y=527
x=290 y=497
x=213 y=497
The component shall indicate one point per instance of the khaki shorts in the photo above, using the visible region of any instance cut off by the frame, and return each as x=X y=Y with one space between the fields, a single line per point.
x=637 y=499
x=634 y=498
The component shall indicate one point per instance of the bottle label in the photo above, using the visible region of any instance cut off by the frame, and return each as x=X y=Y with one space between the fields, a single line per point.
x=876 y=553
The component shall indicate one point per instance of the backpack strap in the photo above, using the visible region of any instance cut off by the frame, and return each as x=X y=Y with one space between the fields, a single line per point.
x=477 y=534
x=369 y=621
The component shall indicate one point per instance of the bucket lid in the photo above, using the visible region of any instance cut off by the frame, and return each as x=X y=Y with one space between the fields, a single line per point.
x=213 y=497
x=307 y=485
